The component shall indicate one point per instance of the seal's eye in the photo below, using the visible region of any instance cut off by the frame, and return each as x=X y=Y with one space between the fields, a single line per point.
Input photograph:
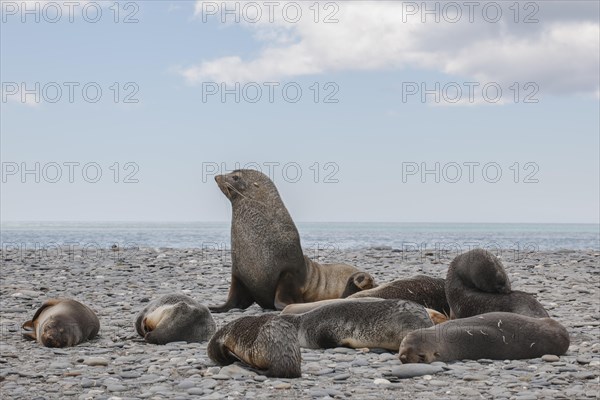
x=235 y=178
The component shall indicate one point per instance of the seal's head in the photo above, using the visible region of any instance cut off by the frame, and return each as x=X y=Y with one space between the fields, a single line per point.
x=414 y=349
x=56 y=333
x=246 y=183
x=482 y=270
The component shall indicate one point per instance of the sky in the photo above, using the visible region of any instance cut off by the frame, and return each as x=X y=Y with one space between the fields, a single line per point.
x=359 y=111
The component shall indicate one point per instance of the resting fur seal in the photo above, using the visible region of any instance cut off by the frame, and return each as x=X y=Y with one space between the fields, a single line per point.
x=477 y=283
x=425 y=290
x=175 y=317
x=358 y=282
x=268 y=265
x=497 y=336
x=62 y=323
x=358 y=324
x=266 y=343
x=300 y=308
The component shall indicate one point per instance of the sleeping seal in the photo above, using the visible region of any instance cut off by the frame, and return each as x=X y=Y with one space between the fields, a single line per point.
x=62 y=323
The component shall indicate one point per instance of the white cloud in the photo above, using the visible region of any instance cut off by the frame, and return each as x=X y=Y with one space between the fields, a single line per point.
x=560 y=55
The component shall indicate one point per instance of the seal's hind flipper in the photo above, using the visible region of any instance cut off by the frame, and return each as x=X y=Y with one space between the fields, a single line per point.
x=436 y=316
x=46 y=304
x=30 y=332
x=28 y=326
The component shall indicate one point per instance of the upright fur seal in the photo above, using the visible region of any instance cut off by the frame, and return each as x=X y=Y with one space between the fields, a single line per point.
x=266 y=343
x=477 y=283
x=497 y=336
x=357 y=324
x=175 y=317
x=425 y=290
x=62 y=323
x=268 y=265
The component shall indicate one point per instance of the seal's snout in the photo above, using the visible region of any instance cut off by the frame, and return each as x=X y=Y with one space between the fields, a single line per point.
x=219 y=179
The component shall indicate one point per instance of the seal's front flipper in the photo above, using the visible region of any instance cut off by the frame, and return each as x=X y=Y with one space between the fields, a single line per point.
x=239 y=297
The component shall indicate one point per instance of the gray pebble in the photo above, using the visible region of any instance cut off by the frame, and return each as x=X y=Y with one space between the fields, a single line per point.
x=550 y=358
x=96 y=361
x=474 y=377
x=116 y=388
x=130 y=374
x=186 y=384
x=341 y=377
x=585 y=375
x=208 y=383
x=323 y=371
x=412 y=370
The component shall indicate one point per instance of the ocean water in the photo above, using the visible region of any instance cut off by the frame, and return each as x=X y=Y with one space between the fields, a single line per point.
x=315 y=235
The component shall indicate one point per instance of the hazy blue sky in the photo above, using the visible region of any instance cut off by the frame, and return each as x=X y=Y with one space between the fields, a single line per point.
x=361 y=147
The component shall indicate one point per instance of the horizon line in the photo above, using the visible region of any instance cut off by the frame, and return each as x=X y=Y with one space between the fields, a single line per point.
x=301 y=221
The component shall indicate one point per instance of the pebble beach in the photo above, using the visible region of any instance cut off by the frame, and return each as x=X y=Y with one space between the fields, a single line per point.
x=118 y=364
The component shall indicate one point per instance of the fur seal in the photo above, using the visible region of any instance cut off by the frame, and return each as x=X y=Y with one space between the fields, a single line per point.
x=425 y=290
x=333 y=281
x=477 y=283
x=497 y=336
x=175 y=317
x=266 y=343
x=357 y=324
x=268 y=265
x=62 y=323
x=358 y=282
x=300 y=308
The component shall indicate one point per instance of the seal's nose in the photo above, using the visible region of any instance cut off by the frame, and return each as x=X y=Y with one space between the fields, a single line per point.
x=218 y=178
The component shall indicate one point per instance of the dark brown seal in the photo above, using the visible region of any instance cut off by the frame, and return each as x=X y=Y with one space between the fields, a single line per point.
x=266 y=343
x=62 y=323
x=477 y=283
x=425 y=290
x=497 y=336
x=268 y=265
x=175 y=317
